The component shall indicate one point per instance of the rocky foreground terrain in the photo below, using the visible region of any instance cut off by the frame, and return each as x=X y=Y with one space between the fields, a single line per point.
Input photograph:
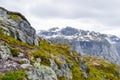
x=25 y=56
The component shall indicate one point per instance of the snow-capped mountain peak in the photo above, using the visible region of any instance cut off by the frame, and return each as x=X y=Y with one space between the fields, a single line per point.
x=86 y=42
x=72 y=33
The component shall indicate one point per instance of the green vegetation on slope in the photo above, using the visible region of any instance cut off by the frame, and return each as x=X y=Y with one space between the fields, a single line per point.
x=54 y=51
x=99 y=69
x=18 y=75
x=77 y=74
x=14 y=16
x=13 y=42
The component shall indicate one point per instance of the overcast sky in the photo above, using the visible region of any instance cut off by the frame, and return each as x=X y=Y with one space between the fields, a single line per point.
x=94 y=15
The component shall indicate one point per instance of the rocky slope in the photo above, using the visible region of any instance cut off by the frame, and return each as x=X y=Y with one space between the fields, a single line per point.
x=86 y=42
x=16 y=25
x=22 y=60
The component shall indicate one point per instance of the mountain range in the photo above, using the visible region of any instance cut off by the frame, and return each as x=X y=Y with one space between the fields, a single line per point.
x=85 y=42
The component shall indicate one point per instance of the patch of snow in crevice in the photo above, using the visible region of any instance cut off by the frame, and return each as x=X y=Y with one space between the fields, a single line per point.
x=111 y=42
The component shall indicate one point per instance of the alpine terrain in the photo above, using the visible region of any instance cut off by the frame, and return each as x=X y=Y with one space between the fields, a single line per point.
x=26 y=56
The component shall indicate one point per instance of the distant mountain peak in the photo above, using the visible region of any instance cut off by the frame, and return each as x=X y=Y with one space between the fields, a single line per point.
x=53 y=29
x=87 y=42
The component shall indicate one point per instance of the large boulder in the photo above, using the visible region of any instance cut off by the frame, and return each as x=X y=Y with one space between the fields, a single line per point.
x=17 y=26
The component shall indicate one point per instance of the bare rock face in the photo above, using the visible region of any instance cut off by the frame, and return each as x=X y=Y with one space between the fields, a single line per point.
x=16 y=25
x=64 y=71
x=6 y=65
x=41 y=72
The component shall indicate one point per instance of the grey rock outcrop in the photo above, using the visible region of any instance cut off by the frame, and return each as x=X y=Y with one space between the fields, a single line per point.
x=63 y=72
x=41 y=72
x=6 y=64
x=4 y=51
x=16 y=25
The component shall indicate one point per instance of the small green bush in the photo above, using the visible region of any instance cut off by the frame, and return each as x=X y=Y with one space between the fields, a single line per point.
x=61 y=78
x=0 y=56
x=14 y=16
x=18 y=75
x=40 y=53
x=77 y=74
x=15 y=52
x=45 y=61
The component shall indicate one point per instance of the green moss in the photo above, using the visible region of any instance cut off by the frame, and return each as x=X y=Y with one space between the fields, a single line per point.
x=40 y=53
x=96 y=74
x=21 y=62
x=77 y=74
x=18 y=75
x=1 y=21
x=101 y=69
x=0 y=56
x=58 y=62
x=62 y=78
x=54 y=49
x=45 y=61
x=15 y=52
x=1 y=77
x=14 y=16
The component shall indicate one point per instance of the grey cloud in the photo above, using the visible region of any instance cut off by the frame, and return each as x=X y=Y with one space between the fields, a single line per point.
x=69 y=7
x=105 y=11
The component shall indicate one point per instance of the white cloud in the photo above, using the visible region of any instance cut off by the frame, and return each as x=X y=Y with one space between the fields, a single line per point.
x=98 y=15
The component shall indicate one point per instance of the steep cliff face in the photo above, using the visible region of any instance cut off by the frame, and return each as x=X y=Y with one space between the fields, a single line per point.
x=16 y=25
x=86 y=42
x=22 y=60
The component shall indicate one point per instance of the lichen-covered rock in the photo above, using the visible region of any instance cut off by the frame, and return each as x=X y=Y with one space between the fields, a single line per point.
x=16 y=25
x=41 y=72
x=26 y=66
x=4 y=51
x=63 y=72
